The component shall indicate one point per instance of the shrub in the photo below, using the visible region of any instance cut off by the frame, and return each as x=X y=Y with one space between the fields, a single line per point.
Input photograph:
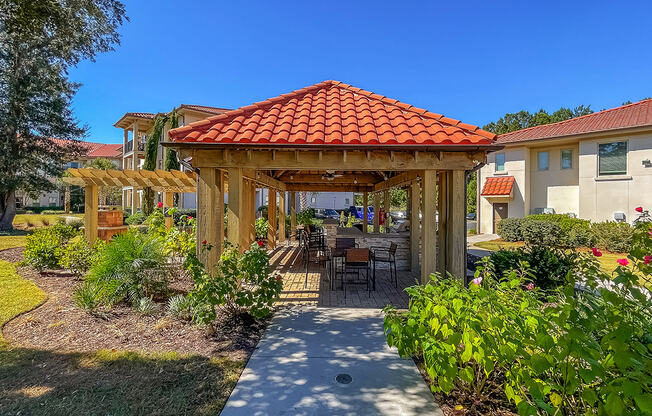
x=306 y=217
x=146 y=306
x=87 y=296
x=130 y=267
x=183 y=213
x=240 y=283
x=261 y=227
x=179 y=307
x=542 y=233
x=53 y=212
x=548 y=266
x=135 y=219
x=575 y=232
x=78 y=255
x=510 y=229
x=44 y=248
x=43 y=210
x=613 y=236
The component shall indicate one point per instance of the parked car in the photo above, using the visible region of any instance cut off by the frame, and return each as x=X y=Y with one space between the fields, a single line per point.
x=356 y=211
x=331 y=213
x=470 y=216
x=398 y=216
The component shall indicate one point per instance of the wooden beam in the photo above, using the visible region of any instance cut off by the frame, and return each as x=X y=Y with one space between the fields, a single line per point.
x=398 y=180
x=428 y=225
x=376 y=212
x=293 y=215
x=442 y=226
x=281 y=217
x=414 y=202
x=456 y=236
x=271 y=218
x=90 y=212
x=219 y=212
x=351 y=179
x=315 y=187
x=207 y=217
x=263 y=180
x=365 y=218
x=235 y=232
x=334 y=160
x=168 y=202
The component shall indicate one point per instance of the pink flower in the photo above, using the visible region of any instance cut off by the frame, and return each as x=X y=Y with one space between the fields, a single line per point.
x=160 y=205
x=638 y=209
x=623 y=262
x=260 y=243
x=530 y=286
x=244 y=251
x=596 y=252
x=647 y=259
x=477 y=280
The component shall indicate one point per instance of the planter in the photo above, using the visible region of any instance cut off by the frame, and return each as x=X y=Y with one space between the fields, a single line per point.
x=109 y=223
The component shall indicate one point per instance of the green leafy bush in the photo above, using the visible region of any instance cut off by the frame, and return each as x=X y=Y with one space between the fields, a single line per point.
x=542 y=233
x=78 y=255
x=613 y=236
x=88 y=296
x=44 y=248
x=131 y=266
x=182 y=214
x=575 y=232
x=146 y=306
x=53 y=212
x=548 y=266
x=261 y=227
x=179 y=306
x=240 y=283
x=135 y=219
x=586 y=350
x=510 y=229
x=306 y=217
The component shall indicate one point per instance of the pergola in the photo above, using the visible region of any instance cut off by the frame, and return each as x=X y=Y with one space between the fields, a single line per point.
x=335 y=137
x=167 y=182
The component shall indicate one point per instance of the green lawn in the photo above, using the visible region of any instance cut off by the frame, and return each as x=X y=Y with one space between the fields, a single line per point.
x=15 y=239
x=40 y=220
x=37 y=382
x=607 y=260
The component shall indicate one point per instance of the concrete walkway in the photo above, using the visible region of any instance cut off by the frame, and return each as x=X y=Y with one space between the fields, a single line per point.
x=303 y=354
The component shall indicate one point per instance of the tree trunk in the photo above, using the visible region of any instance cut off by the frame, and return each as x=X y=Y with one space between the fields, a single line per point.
x=7 y=210
x=66 y=200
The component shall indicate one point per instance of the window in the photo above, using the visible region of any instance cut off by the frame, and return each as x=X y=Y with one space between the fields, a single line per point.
x=74 y=165
x=500 y=162
x=543 y=160
x=346 y=201
x=313 y=200
x=567 y=159
x=612 y=158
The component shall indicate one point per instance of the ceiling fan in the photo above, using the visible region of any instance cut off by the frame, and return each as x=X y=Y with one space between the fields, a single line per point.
x=330 y=175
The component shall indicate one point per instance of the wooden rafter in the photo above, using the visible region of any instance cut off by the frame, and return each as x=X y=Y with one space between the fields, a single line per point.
x=158 y=180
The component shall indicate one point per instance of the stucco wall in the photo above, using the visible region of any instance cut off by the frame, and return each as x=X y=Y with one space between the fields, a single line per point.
x=554 y=188
x=600 y=196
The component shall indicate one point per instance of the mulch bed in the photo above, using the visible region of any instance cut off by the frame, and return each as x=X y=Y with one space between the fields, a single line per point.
x=60 y=325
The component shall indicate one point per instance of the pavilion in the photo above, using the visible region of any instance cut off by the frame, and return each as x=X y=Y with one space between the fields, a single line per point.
x=335 y=137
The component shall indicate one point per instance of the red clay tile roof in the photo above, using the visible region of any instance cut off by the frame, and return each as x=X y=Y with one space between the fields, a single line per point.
x=498 y=186
x=638 y=114
x=332 y=113
x=96 y=149
x=205 y=108
x=151 y=116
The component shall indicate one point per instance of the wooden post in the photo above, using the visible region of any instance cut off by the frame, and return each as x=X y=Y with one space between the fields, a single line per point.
x=271 y=218
x=281 y=217
x=236 y=208
x=377 y=212
x=219 y=213
x=428 y=227
x=168 y=202
x=293 y=215
x=207 y=216
x=442 y=227
x=252 y=213
x=456 y=237
x=134 y=200
x=386 y=207
x=415 y=196
x=90 y=212
x=365 y=219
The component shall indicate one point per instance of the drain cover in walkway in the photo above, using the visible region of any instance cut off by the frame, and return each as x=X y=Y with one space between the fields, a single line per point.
x=343 y=378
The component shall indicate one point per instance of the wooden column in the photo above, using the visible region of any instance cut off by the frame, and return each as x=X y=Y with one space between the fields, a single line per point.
x=281 y=217
x=386 y=208
x=236 y=229
x=271 y=218
x=377 y=212
x=293 y=215
x=90 y=212
x=428 y=225
x=249 y=214
x=134 y=200
x=415 y=232
x=365 y=205
x=442 y=231
x=219 y=212
x=207 y=216
x=456 y=235
x=168 y=202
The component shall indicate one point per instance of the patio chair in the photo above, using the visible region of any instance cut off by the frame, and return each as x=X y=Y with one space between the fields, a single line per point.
x=385 y=255
x=357 y=260
x=312 y=245
x=339 y=252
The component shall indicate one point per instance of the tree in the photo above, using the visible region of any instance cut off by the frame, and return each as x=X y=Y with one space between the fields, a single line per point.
x=151 y=155
x=171 y=157
x=39 y=41
x=108 y=195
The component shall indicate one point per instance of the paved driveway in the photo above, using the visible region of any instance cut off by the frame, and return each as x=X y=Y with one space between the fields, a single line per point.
x=295 y=369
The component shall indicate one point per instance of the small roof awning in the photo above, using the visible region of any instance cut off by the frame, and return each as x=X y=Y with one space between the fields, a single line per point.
x=500 y=186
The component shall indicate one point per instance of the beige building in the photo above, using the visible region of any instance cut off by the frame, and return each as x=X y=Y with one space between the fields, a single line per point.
x=597 y=167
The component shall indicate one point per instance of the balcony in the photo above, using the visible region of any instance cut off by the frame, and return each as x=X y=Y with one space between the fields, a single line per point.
x=130 y=146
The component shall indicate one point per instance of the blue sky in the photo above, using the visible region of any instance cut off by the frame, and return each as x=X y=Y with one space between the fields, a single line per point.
x=469 y=60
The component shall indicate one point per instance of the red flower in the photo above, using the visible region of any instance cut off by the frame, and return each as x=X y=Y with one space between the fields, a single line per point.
x=638 y=209
x=204 y=242
x=160 y=205
x=530 y=286
x=189 y=217
x=623 y=262
x=260 y=243
x=596 y=252
x=647 y=259
x=278 y=278
x=244 y=251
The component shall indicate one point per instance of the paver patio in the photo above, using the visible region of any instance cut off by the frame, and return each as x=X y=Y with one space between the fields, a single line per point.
x=294 y=371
